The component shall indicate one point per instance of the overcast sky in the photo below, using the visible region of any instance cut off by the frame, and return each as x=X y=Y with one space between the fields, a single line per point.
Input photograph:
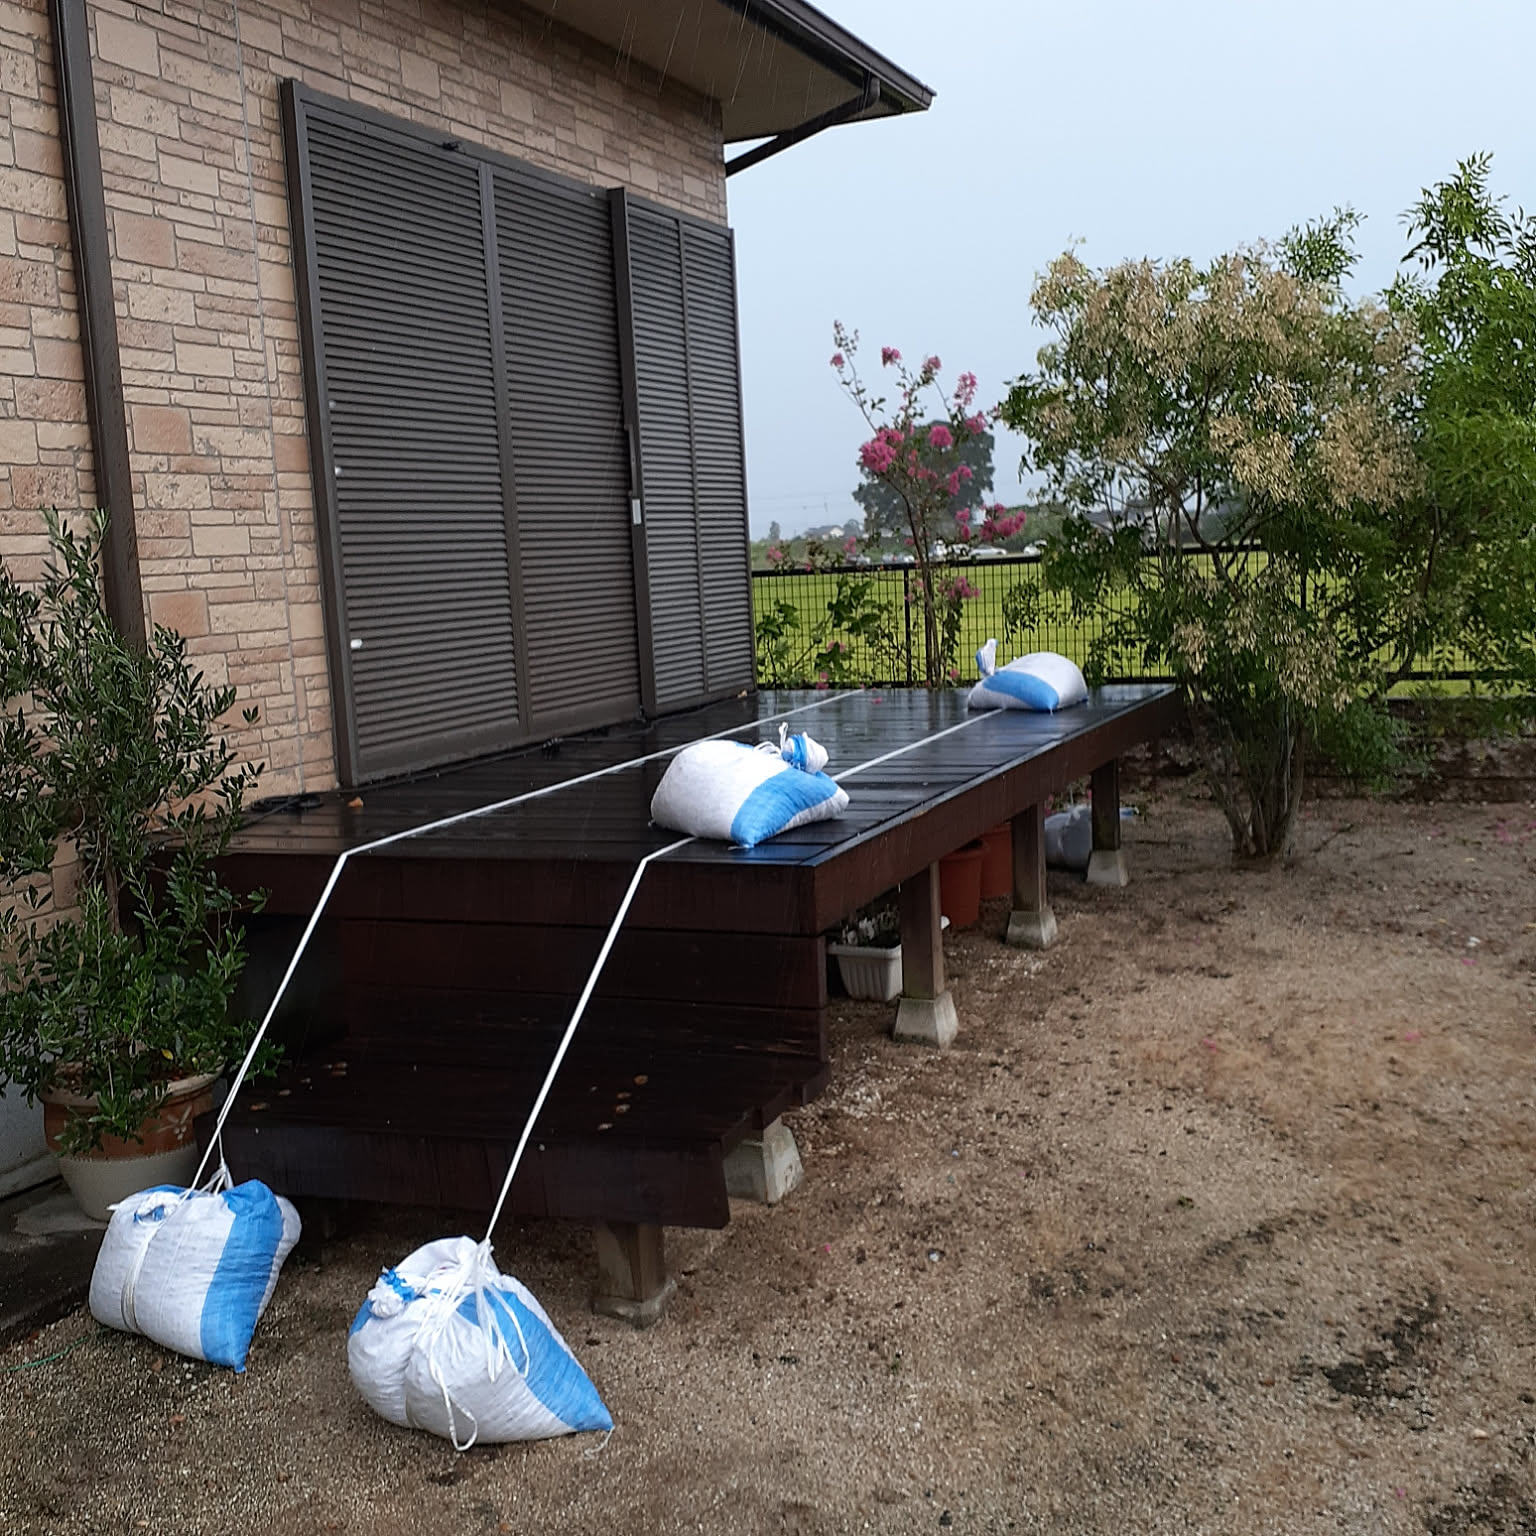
x=1140 y=128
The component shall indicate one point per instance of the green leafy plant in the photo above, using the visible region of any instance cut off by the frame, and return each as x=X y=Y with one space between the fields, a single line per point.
x=115 y=755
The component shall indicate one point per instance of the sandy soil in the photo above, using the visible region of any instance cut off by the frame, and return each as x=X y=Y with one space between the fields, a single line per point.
x=1217 y=1218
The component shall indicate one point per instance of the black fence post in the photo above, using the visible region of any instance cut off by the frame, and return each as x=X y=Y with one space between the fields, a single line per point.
x=906 y=619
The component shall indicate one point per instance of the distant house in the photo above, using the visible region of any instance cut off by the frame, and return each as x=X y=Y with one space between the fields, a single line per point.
x=401 y=341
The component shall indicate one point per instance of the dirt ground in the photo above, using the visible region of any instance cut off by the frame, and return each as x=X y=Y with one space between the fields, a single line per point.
x=1218 y=1217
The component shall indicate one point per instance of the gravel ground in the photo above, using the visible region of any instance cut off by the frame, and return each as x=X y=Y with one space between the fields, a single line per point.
x=1218 y=1217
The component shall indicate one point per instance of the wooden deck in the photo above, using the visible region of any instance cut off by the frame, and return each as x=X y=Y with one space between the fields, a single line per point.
x=449 y=962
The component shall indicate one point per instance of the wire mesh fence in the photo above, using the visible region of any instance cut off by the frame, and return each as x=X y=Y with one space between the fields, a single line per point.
x=862 y=625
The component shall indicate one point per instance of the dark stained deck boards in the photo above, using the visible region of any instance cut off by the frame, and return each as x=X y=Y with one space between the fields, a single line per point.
x=460 y=951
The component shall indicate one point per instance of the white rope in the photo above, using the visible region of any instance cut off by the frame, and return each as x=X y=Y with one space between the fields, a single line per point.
x=436 y=826
x=570 y=1029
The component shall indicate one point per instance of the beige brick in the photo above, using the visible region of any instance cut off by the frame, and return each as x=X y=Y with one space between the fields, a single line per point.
x=210 y=362
x=185 y=612
x=189 y=175
x=184 y=492
x=44 y=485
x=151 y=301
x=50 y=399
x=290 y=452
x=419 y=75
x=306 y=621
x=18 y=442
x=39 y=152
x=62 y=436
x=58 y=359
x=17 y=362
x=28 y=282
x=161 y=429
x=119 y=41
x=32 y=193
x=517 y=102
x=246 y=618
x=220 y=540
x=148 y=241
x=137 y=109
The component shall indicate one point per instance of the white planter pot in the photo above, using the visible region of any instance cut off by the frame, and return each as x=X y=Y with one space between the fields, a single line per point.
x=867 y=972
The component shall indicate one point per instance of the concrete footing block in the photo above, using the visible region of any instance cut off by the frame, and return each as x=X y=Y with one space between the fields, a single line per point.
x=638 y=1314
x=764 y=1168
x=1106 y=866
x=927 y=1020
x=1032 y=930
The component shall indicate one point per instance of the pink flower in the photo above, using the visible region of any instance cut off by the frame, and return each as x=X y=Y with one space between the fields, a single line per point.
x=889 y=355
x=976 y=424
x=964 y=471
x=838 y=361
x=821 y=680
x=775 y=553
x=931 y=365
x=952 y=485
x=963 y=515
x=965 y=389
x=941 y=437
x=877 y=456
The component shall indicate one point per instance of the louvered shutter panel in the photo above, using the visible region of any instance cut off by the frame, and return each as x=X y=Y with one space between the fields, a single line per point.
x=659 y=325
x=569 y=451
x=417 y=496
x=720 y=471
x=687 y=405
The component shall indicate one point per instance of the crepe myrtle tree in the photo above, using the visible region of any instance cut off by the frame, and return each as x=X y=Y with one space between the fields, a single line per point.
x=918 y=450
x=1251 y=386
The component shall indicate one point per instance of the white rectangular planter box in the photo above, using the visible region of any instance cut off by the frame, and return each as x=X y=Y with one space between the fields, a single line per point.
x=868 y=972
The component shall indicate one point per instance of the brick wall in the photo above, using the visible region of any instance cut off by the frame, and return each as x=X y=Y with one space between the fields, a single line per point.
x=192 y=160
x=44 y=437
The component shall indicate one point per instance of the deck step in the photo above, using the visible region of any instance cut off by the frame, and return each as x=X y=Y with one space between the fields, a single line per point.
x=630 y=1133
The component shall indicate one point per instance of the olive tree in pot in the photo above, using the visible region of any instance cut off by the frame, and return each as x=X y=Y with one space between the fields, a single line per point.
x=114 y=1009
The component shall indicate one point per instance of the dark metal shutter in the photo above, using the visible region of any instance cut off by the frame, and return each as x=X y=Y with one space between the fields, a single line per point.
x=678 y=279
x=720 y=469
x=419 y=509
x=666 y=457
x=570 y=454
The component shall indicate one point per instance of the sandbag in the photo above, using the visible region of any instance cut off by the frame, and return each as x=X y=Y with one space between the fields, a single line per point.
x=740 y=794
x=1043 y=681
x=448 y=1344
x=1069 y=838
x=193 y=1269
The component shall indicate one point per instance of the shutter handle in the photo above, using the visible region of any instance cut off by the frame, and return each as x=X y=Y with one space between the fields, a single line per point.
x=636 y=512
x=355 y=643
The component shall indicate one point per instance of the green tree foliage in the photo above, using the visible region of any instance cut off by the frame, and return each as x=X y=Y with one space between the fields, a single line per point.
x=885 y=513
x=1252 y=385
x=1473 y=301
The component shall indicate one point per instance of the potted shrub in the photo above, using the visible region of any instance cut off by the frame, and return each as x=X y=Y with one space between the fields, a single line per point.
x=115 y=1004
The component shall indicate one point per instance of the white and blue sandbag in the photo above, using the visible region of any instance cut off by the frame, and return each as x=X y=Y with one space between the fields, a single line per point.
x=743 y=794
x=1042 y=681
x=193 y=1269
x=448 y=1344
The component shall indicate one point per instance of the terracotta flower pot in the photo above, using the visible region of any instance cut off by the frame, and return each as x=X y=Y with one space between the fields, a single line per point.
x=960 y=884
x=167 y=1153
x=997 y=861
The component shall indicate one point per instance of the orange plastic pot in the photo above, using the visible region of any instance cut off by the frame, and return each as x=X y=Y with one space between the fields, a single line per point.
x=997 y=861
x=960 y=885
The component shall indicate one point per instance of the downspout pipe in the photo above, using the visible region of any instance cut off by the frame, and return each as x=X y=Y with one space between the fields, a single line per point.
x=105 y=410
x=792 y=136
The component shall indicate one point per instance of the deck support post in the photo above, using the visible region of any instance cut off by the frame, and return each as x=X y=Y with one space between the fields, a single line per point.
x=1106 y=864
x=926 y=1013
x=765 y=1167
x=632 y=1279
x=1032 y=924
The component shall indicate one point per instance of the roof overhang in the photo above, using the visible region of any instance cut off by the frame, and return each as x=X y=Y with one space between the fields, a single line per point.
x=774 y=66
